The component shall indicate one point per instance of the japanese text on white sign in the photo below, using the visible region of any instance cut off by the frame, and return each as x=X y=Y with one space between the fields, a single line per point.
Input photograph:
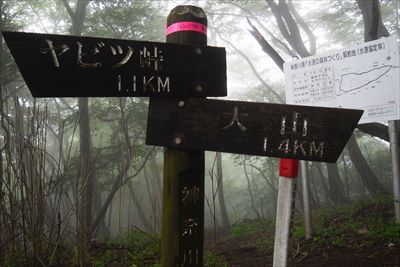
x=362 y=76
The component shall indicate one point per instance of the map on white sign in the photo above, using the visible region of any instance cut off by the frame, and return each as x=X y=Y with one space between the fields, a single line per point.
x=362 y=76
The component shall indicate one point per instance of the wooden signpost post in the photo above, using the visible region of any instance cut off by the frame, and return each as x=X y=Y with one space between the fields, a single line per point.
x=286 y=131
x=182 y=234
x=69 y=66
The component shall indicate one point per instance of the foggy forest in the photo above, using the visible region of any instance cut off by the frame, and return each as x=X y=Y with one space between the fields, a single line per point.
x=80 y=187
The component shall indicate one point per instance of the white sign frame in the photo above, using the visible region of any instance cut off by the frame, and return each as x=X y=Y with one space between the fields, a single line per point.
x=362 y=76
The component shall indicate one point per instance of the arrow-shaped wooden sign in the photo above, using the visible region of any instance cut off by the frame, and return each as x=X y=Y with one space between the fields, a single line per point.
x=71 y=66
x=273 y=130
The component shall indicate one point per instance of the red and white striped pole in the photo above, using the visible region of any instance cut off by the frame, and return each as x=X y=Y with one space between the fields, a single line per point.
x=288 y=171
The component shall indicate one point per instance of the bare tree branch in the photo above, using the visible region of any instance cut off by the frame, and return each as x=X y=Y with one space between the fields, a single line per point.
x=253 y=205
x=34 y=10
x=307 y=30
x=117 y=34
x=288 y=26
x=266 y=46
x=264 y=177
x=69 y=9
x=267 y=86
x=274 y=39
x=119 y=182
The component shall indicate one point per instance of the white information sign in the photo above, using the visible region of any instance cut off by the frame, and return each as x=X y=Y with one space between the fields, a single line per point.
x=362 y=76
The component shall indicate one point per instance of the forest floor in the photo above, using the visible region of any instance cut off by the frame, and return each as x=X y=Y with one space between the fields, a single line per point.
x=358 y=234
x=362 y=234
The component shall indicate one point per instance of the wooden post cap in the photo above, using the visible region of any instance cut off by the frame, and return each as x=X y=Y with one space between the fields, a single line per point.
x=187 y=25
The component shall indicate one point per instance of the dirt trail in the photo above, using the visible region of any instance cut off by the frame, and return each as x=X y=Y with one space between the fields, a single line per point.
x=246 y=252
x=237 y=256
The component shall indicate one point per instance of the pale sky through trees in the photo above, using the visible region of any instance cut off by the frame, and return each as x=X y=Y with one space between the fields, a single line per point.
x=240 y=77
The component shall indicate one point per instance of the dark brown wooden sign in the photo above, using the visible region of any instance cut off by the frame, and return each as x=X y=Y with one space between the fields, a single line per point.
x=71 y=66
x=272 y=130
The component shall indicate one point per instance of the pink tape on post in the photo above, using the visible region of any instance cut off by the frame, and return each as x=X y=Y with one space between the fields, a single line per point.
x=186 y=26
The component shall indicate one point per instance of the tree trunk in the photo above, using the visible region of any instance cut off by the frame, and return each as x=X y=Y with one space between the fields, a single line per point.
x=139 y=209
x=152 y=198
x=336 y=188
x=346 y=177
x=373 y=25
x=374 y=29
x=314 y=197
x=86 y=171
x=119 y=181
x=156 y=175
x=299 y=193
x=371 y=182
x=157 y=185
x=253 y=205
x=323 y=184
x=2 y=192
x=221 y=197
x=117 y=184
